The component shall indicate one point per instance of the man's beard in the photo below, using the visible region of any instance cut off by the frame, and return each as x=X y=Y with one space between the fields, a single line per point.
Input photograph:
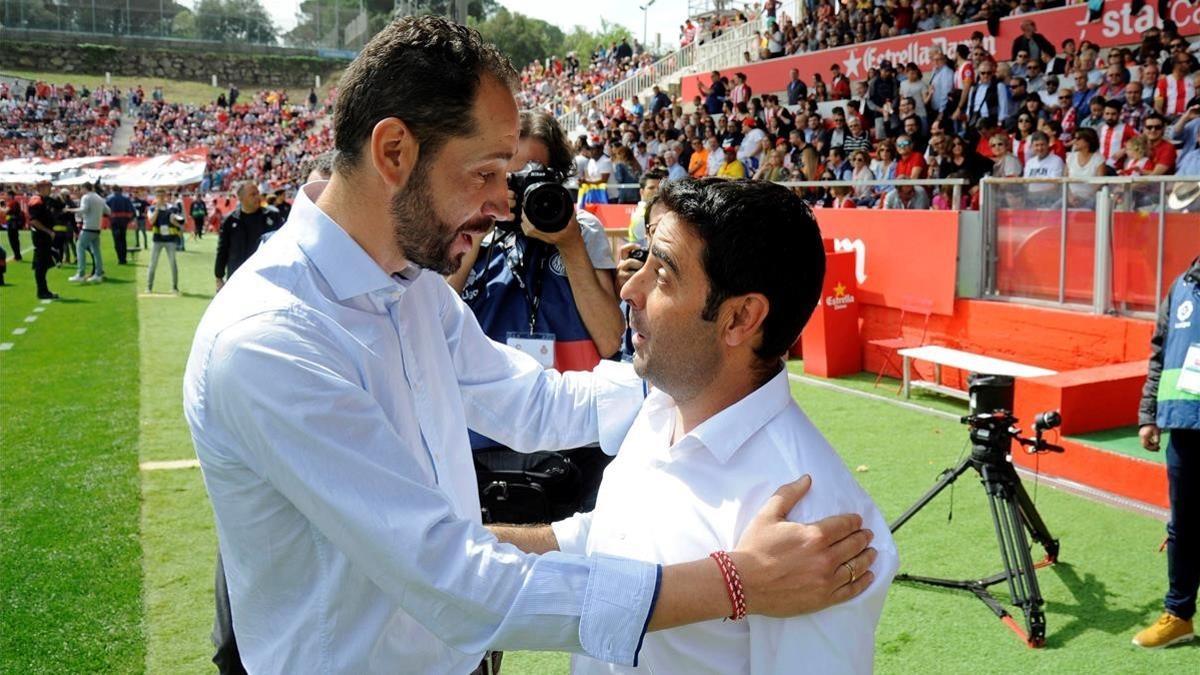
x=420 y=234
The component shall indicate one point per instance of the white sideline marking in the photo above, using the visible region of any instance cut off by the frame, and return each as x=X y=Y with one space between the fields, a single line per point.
x=46 y=302
x=31 y=318
x=19 y=331
x=38 y=310
x=846 y=390
x=170 y=465
x=5 y=346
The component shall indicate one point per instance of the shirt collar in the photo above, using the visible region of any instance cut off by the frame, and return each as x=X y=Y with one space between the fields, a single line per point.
x=346 y=267
x=727 y=431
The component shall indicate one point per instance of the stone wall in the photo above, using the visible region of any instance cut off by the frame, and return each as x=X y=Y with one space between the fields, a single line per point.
x=245 y=70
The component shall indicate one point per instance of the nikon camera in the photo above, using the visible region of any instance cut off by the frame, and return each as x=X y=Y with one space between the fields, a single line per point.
x=539 y=194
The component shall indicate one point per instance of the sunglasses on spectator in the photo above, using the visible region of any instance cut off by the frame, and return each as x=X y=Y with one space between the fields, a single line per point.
x=903 y=144
x=1064 y=98
x=1154 y=127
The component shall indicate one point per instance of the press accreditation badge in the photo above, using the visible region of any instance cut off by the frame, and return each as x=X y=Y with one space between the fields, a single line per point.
x=538 y=345
x=1189 y=374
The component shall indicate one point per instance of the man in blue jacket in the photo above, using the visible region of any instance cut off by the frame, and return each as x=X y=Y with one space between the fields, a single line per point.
x=1171 y=401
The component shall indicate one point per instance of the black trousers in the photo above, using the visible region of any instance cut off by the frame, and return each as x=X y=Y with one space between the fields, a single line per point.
x=1183 y=532
x=43 y=260
x=226 y=658
x=119 y=242
x=14 y=242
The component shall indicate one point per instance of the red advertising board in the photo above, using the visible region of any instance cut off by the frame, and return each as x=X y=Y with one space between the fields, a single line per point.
x=900 y=254
x=1116 y=26
x=830 y=341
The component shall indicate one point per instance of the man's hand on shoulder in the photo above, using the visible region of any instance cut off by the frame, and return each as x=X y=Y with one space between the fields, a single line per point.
x=792 y=568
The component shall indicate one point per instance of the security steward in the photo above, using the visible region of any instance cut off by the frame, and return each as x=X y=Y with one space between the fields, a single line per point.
x=44 y=212
x=243 y=230
x=1171 y=402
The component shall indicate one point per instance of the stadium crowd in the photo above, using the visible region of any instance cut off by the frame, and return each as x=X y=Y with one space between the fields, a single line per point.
x=1043 y=110
x=57 y=122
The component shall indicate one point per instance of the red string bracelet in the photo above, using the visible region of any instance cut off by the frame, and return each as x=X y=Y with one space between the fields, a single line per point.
x=733 y=584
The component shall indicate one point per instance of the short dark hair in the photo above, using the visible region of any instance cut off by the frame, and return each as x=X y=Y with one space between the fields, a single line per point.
x=652 y=174
x=758 y=237
x=322 y=163
x=424 y=70
x=1088 y=135
x=541 y=125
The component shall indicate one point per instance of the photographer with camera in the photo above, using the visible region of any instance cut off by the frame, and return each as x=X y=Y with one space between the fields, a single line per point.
x=1171 y=401
x=543 y=283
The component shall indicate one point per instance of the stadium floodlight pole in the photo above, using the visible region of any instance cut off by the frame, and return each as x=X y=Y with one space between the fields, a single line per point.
x=645 y=15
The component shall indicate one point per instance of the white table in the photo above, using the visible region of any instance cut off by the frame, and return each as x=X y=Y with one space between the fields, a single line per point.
x=954 y=358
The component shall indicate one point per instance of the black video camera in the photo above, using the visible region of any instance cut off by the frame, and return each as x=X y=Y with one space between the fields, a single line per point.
x=991 y=422
x=539 y=194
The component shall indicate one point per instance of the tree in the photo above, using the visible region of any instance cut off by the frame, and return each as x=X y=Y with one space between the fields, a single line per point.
x=521 y=38
x=235 y=21
x=184 y=25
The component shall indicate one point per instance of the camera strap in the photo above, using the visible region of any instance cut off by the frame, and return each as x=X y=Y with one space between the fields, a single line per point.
x=532 y=291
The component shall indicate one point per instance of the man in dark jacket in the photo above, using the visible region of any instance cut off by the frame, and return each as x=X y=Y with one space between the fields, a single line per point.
x=242 y=230
x=122 y=213
x=1033 y=43
x=1171 y=401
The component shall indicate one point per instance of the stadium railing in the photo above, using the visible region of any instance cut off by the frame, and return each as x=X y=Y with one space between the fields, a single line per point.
x=1103 y=245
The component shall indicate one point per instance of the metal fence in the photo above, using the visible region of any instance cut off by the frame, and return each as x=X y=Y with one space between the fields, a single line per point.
x=1104 y=245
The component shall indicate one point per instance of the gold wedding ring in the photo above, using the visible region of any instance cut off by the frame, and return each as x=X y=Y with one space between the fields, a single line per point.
x=850 y=566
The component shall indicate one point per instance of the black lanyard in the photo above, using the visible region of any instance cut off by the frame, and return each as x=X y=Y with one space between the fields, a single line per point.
x=532 y=292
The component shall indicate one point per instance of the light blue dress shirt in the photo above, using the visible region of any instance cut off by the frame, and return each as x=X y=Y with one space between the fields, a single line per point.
x=329 y=404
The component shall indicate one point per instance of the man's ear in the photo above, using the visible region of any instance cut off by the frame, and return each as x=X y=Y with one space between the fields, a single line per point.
x=744 y=317
x=393 y=151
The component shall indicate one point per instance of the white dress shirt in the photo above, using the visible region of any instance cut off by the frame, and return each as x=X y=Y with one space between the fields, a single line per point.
x=329 y=404
x=666 y=504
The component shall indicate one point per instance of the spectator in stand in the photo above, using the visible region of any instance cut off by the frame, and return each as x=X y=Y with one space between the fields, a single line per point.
x=964 y=80
x=907 y=197
x=963 y=159
x=1095 y=116
x=716 y=155
x=1033 y=43
x=698 y=162
x=1135 y=110
x=1004 y=163
x=1176 y=88
x=731 y=167
x=861 y=172
x=988 y=98
x=750 y=147
x=1064 y=62
x=1159 y=151
x=856 y=139
x=941 y=85
x=839 y=84
x=839 y=165
x=1043 y=164
x=659 y=101
x=1084 y=162
x=674 y=170
x=1115 y=79
x=714 y=94
x=1148 y=77
x=625 y=173
x=796 y=88
x=911 y=164
x=1137 y=158
x=1113 y=135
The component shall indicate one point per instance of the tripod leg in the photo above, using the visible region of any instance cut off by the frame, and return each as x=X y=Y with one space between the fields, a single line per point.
x=1019 y=569
x=1033 y=520
x=948 y=477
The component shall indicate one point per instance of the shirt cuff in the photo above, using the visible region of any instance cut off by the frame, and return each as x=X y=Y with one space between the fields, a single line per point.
x=616 y=608
x=619 y=393
x=572 y=533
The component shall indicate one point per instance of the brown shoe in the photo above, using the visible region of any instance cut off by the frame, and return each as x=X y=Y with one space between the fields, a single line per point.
x=1168 y=630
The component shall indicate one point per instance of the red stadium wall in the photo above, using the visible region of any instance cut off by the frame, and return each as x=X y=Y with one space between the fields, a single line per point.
x=1115 y=27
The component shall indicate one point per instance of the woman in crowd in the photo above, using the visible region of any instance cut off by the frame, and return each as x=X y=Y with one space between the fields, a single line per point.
x=625 y=172
x=861 y=171
x=1084 y=161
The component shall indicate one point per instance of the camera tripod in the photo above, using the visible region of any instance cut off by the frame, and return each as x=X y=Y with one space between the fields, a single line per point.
x=1013 y=513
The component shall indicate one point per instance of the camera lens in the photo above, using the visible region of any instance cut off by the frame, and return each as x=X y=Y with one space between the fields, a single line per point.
x=548 y=206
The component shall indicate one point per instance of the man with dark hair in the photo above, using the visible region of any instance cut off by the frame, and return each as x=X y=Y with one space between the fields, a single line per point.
x=714 y=94
x=14 y=222
x=199 y=214
x=1032 y=43
x=330 y=390
x=735 y=270
x=649 y=184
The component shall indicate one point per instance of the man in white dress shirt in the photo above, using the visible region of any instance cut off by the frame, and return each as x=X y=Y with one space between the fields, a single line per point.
x=331 y=384
x=714 y=310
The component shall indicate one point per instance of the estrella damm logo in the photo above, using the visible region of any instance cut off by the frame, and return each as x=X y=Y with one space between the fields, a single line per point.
x=840 y=298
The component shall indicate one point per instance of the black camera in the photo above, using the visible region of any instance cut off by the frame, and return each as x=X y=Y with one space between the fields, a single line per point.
x=539 y=194
x=991 y=422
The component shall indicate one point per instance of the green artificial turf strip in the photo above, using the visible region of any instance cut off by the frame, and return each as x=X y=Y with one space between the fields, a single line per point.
x=70 y=559
x=178 y=535
x=174 y=91
x=1124 y=440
